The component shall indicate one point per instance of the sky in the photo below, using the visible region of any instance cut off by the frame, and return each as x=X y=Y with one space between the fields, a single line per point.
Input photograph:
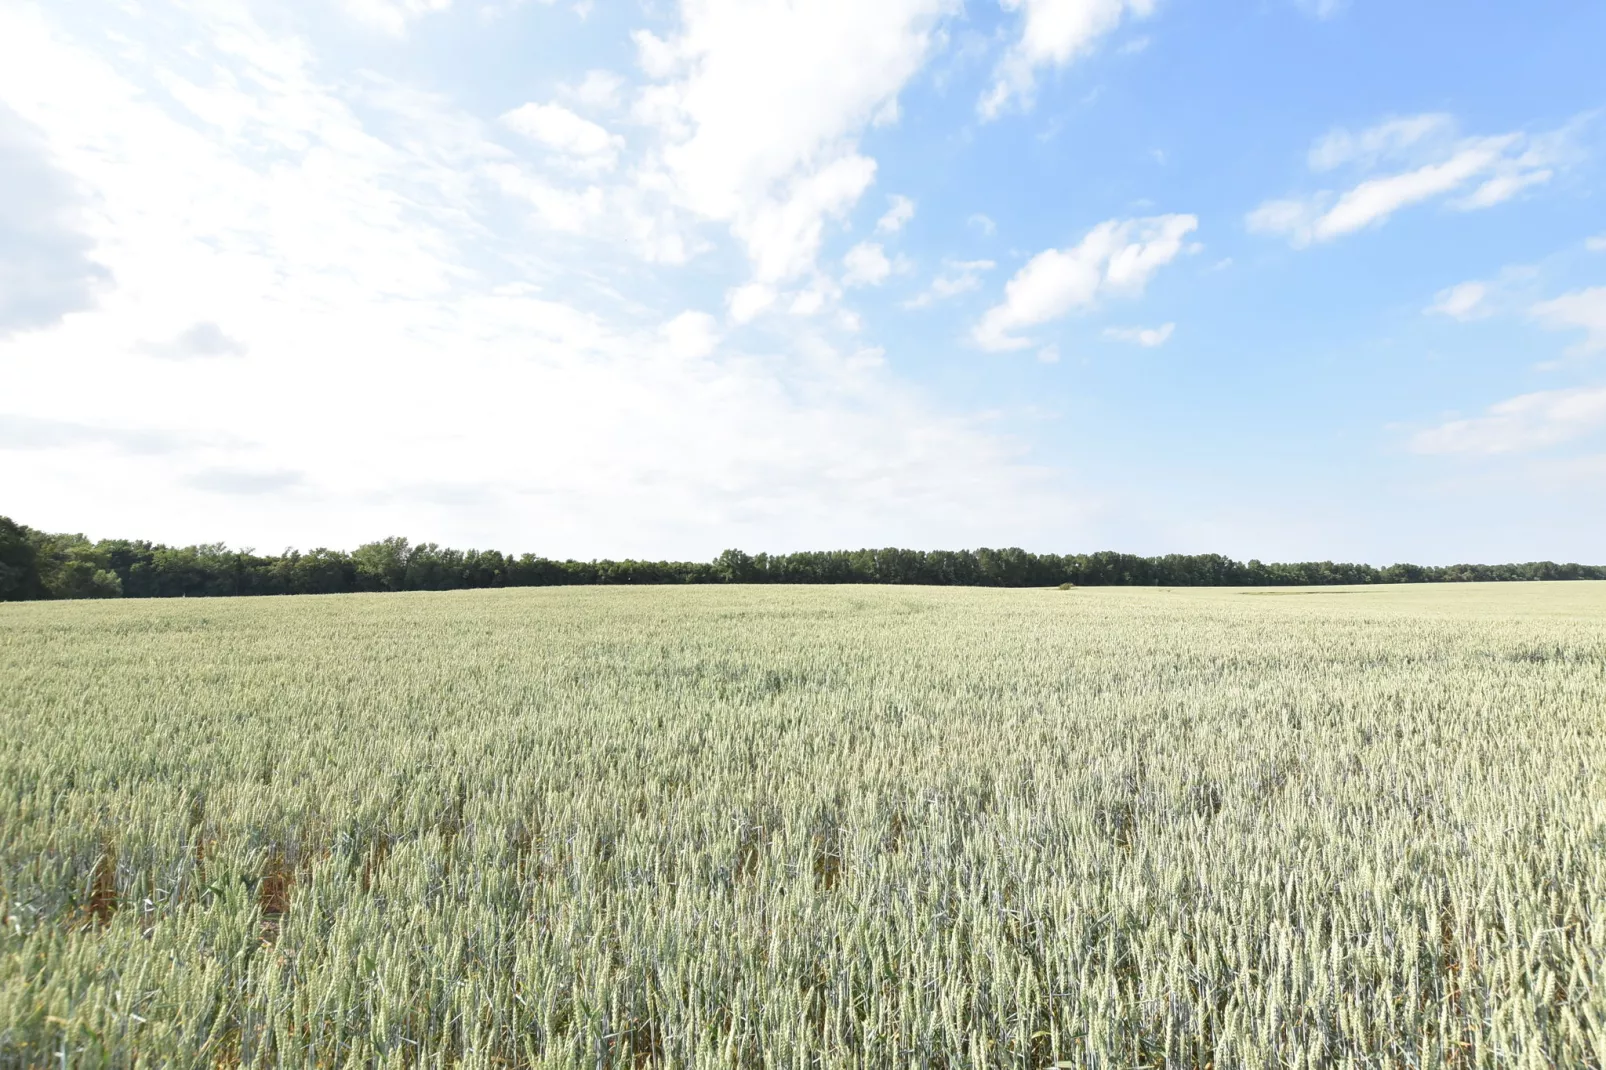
x=1286 y=279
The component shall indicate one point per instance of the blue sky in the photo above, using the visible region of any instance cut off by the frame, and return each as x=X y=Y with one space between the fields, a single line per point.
x=1284 y=279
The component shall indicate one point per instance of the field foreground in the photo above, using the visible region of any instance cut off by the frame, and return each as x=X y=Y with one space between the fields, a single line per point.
x=822 y=826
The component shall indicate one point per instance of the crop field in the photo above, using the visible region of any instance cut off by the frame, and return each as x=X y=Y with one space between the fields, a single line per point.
x=807 y=827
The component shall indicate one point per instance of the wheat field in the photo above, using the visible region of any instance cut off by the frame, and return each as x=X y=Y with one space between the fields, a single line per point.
x=807 y=827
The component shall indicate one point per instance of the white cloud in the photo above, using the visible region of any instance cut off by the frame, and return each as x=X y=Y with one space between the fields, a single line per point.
x=811 y=299
x=1596 y=244
x=1291 y=217
x=1581 y=310
x=729 y=74
x=363 y=247
x=569 y=210
x=983 y=223
x=1053 y=33
x=1511 y=290
x=1464 y=301
x=598 y=89
x=1116 y=257
x=901 y=211
x=692 y=335
x=563 y=131
x=1503 y=187
x=867 y=265
x=746 y=302
x=1147 y=337
x=783 y=236
x=1527 y=422
x=1387 y=138
x=393 y=16
x=1430 y=163
x=958 y=277
x=199 y=341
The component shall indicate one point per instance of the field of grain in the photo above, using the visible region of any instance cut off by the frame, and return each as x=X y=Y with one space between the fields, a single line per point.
x=823 y=827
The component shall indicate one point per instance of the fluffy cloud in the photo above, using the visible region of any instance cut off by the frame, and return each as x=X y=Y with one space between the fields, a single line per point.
x=783 y=236
x=359 y=249
x=832 y=68
x=692 y=335
x=562 y=131
x=1116 y=257
x=901 y=210
x=1429 y=162
x=1147 y=337
x=746 y=302
x=1582 y=310
x=1520 y=424
x=867 y=265
x=1053 y=33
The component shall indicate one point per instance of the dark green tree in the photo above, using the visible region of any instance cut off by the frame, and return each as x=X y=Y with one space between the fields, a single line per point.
x=734 y=566
x=382 y=565
x=19 y=562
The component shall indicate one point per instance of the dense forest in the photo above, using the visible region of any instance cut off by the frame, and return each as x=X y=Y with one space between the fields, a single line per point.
x=36 y=564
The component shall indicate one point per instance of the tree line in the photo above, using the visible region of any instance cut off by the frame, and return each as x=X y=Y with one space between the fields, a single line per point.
x=39 y=565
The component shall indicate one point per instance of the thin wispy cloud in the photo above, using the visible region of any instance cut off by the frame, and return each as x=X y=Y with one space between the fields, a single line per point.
x=957 y=277
x=1323 y=9
x=1583 y=310
x=1510 y=291
x=244 y=481
x=32 y=433
x=1402 y=162
x=1521 y=424
x=1463 y=301
x=1147 y=337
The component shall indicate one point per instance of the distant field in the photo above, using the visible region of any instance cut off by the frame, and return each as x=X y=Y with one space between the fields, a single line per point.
x=807 y=826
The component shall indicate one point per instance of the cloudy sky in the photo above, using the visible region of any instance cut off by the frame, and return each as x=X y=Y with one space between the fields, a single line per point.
x=1266 y=277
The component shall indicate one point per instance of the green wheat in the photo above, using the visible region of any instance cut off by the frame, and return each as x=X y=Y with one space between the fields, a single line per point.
x=807 y=827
